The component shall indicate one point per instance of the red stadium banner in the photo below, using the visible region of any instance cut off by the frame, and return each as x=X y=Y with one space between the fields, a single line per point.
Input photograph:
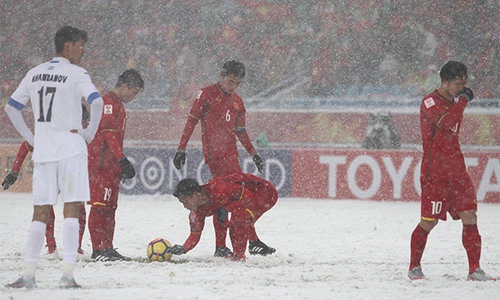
x=380 y=175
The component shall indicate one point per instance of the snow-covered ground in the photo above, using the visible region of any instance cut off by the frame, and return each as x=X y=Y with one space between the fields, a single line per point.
x=326 y=249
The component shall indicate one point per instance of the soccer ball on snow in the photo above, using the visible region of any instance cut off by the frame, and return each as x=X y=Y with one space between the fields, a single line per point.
x=157 y=250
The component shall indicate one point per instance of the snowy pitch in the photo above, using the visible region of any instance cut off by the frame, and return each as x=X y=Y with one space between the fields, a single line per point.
x=326 y=249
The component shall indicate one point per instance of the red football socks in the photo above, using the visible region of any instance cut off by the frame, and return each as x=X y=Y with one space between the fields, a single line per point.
x=417 y=246
x=471 y=239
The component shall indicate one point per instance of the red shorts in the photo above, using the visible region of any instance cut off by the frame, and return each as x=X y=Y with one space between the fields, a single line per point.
x=451 y=195
x=104 y=189
x=265 y=197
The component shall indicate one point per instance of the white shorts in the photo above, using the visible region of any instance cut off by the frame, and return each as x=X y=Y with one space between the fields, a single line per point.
x=69 y=177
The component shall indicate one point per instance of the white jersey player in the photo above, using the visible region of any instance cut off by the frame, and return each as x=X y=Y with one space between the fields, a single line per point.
x=55 y=90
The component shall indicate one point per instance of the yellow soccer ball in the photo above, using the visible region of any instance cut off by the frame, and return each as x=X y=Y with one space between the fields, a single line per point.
x=157 y=250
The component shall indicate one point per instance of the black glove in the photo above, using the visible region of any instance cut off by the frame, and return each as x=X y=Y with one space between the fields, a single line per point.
x=222 y=215
x=9 y=180
x=180 y=159
x=467 y=93
x=128 y=170
x=177 y=250
x=258 y=163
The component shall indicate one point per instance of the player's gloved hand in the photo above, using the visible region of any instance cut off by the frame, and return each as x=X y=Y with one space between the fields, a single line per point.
x=177 y=250
x=221 y=215
x=180 y=158
x=9 y=180
x=128 y=170
x=258 y=163
x=467 y=93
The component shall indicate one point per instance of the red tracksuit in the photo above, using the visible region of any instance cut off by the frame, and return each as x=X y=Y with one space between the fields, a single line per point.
x=446 y=185
x=245 y=196
x=222 y=120
x=104 y=171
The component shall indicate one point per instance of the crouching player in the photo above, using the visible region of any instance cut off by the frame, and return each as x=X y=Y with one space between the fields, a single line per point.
x=245 y=196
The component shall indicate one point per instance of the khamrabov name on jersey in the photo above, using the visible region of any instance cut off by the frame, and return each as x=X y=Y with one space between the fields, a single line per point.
x=49 y=77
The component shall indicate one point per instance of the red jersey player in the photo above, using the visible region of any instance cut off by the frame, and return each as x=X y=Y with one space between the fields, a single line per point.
x=245 y=196
x=446 y=185
x=222 y=115
x=108 y=165
x=11 y=178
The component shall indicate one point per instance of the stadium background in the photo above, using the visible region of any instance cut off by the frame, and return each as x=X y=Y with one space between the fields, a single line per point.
x=315 y=69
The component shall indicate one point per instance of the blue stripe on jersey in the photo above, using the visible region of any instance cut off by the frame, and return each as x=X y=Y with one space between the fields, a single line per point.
x=240 y=129
x=54 y=62
x=92 y=97
x=15 y=104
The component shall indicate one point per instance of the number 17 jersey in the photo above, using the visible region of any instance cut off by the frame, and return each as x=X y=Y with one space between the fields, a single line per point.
x=56 y=89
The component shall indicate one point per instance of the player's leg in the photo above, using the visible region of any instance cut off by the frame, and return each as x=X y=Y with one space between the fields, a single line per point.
x=95 y=223
x=466 y=205
x=265 y=199
x=109 y=230
x=74 y=190
x=49 y=233
x=101 y=223
x=109 y=236
x=221 y=250
x=100 y=192
x=98 y=220
x=238 y=233
x=45 y=193
x=431 y=212
x=218 y=168
x=82 y=221
x=112 y=206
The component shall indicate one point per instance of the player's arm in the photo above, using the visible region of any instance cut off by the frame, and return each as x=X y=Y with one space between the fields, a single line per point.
x=128 y=170
x=196 y=223
x=109 y=136
x=439 y=118
x=192 y=121
x=13 y=110
x=21 y=155
x=11 y=178
x=244 y=139
x=96 y=104
x=87 y=89
x=450 y=119
x=242 y=135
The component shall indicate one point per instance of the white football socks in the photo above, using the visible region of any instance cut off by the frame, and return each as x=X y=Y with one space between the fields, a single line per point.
x=34 y=245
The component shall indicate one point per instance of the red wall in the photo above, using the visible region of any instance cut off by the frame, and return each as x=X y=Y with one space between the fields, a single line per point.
x=295 y=127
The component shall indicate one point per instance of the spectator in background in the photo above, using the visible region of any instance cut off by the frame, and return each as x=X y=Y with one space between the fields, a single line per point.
x=381 y=134
x=366 y=31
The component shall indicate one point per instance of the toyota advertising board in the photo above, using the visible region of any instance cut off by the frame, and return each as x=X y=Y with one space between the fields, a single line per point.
x=381 y=175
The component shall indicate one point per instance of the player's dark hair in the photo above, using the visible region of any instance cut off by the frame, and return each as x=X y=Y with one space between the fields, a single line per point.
x=131 y=78
x=453 y=70
x=187 y=187
x=69 y=34
x=233 y=67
